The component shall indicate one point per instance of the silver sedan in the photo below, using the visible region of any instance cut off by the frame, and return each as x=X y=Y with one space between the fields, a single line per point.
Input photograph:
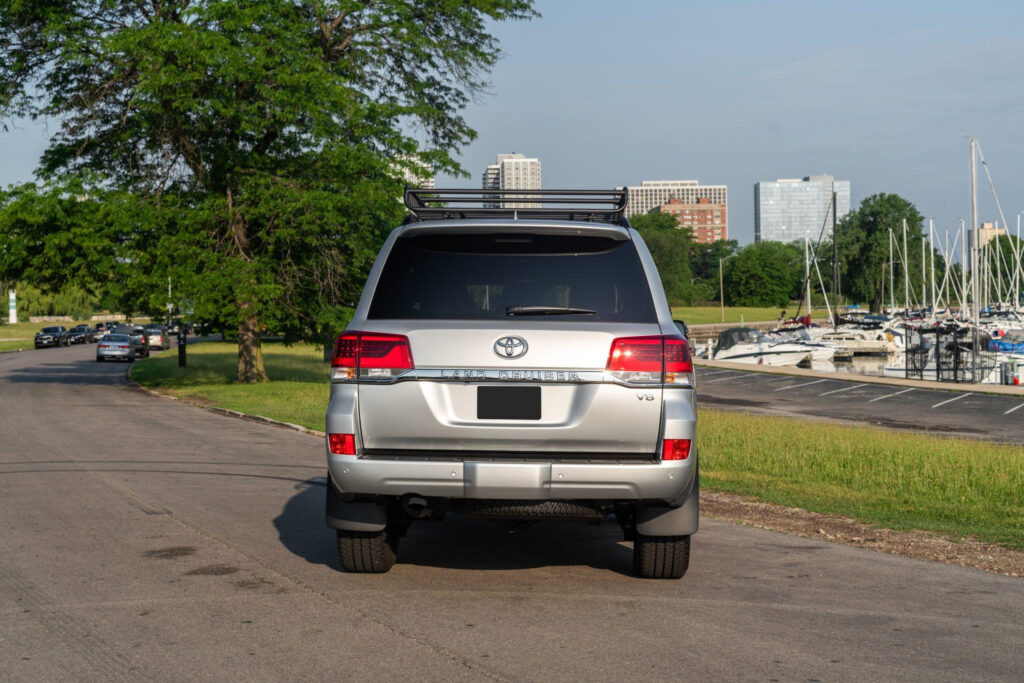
x=116 y=346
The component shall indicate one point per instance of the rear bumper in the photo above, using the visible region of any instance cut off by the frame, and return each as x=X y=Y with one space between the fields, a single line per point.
x=459 y=478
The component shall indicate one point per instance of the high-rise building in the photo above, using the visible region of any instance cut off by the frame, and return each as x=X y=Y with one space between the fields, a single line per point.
x=787 y=209
x=706 y=218
x=513 y=172
x=653 y=193
x=416 y=173
x=986 y=233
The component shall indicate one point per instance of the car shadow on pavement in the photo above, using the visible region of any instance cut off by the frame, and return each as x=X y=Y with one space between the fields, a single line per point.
x=459 y=543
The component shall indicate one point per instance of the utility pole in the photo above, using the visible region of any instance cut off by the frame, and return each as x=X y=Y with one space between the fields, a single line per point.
x=721 y=285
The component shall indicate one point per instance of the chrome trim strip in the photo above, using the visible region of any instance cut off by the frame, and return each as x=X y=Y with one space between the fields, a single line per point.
x=520 y=375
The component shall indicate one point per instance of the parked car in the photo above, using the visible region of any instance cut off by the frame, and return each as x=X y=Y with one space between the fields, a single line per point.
x=55 y=335
x=82 y=334
x=137 y=336
x=158 y=336
x=517 y=364
x=115 y=346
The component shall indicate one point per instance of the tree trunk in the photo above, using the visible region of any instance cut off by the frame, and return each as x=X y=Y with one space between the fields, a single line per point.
x=250 y=352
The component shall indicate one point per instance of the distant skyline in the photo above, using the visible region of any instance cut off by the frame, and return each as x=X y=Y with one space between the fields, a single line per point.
x=882 y=94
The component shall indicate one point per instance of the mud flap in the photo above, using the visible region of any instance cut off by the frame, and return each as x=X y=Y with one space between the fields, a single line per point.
x=672 y=521
x=353 y=516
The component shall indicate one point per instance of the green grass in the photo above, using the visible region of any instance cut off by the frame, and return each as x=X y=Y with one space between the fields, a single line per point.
x=28 y=330
x=702 y=315
x=14 y=345
x=894 y=479
x=298 y=391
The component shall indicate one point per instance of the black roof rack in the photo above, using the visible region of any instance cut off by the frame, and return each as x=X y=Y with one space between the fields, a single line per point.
x=596 y=206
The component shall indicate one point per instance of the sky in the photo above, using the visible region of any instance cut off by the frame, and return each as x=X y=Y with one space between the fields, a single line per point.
x=882 y=94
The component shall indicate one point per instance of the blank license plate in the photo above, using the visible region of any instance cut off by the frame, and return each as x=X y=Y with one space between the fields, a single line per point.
x=508 y=403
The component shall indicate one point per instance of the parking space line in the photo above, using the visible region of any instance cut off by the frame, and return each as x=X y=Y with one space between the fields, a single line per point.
x=805 y=384
x=724 y=379
x=836 y=391
x=955 y=398
x=716 y=372
x=890 y=395
x=1016 y=407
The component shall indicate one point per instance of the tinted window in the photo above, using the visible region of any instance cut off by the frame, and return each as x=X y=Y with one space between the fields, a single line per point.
x=477 y=277
x=116 y=338
x=51 y=330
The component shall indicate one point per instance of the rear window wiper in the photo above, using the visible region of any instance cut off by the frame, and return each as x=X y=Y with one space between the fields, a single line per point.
x=547 y=310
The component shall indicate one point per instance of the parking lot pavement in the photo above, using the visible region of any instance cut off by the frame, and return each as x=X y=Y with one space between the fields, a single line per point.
x=993 y=417
x=147 y=539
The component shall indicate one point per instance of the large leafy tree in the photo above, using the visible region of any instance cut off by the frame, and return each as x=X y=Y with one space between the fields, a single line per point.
x=764 y=274
x=267 y=137
x=863 y=237
x=670 y=245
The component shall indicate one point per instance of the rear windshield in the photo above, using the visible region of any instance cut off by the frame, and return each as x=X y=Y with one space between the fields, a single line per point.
x=116 y=338
x=51 y=330
x=479 y=277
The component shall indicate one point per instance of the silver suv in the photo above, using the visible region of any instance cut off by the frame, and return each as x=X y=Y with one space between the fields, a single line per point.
x=517 y=363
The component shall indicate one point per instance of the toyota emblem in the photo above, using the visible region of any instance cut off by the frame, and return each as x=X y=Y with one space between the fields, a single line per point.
x=510 y=347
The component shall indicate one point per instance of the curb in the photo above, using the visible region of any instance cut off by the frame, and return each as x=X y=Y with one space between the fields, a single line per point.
x=223 y=411
x=995 y=389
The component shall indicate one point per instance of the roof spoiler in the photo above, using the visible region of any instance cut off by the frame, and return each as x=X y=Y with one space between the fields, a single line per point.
x=595 y=206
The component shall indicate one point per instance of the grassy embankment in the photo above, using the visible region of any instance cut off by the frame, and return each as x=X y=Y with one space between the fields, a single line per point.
x=702 y=315
x=19 y=335
x=893 y=479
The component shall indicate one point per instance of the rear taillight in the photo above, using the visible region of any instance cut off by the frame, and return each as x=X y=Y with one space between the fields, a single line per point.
x=651 y=360
x=370 y=355
x=103 y=346
x=675 y=449
x=342 y=444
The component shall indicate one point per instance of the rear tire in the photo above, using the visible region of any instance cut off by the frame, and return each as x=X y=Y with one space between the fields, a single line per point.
x=661 y=557
x=367 y=552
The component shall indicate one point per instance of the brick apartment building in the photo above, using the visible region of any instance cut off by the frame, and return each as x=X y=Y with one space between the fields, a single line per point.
x=708 y=219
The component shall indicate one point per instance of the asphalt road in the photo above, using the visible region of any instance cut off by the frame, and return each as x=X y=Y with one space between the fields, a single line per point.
x=991 y=417
x=141 y=538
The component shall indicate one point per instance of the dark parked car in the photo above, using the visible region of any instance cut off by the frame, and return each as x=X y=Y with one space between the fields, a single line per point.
x=158 y=336
x=57 y=335
x=82 y=334
x=137 y=335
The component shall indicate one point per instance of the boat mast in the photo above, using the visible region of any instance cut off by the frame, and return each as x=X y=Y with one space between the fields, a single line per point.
x=807 y=269
x=906 y=271
x=924 y=261
x=835 y=263
x=963 y=269
x=892 y=275
x=974 y=262
x=931 y=243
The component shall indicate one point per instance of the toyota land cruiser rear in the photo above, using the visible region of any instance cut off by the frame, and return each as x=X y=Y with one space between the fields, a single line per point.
x=518 y=364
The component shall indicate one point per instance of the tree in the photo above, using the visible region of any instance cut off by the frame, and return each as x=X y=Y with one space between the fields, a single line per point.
x=764 y=274
x=864 y=248
x=704 y=263
x=670 y=247
x=265 y=139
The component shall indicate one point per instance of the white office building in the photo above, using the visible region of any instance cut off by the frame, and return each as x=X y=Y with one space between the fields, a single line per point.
x=513 y=172
x=416 y=173
x=653 y=193
x=787 y=209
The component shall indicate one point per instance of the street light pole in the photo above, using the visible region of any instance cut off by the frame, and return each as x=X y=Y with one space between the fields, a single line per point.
x=721 y=285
